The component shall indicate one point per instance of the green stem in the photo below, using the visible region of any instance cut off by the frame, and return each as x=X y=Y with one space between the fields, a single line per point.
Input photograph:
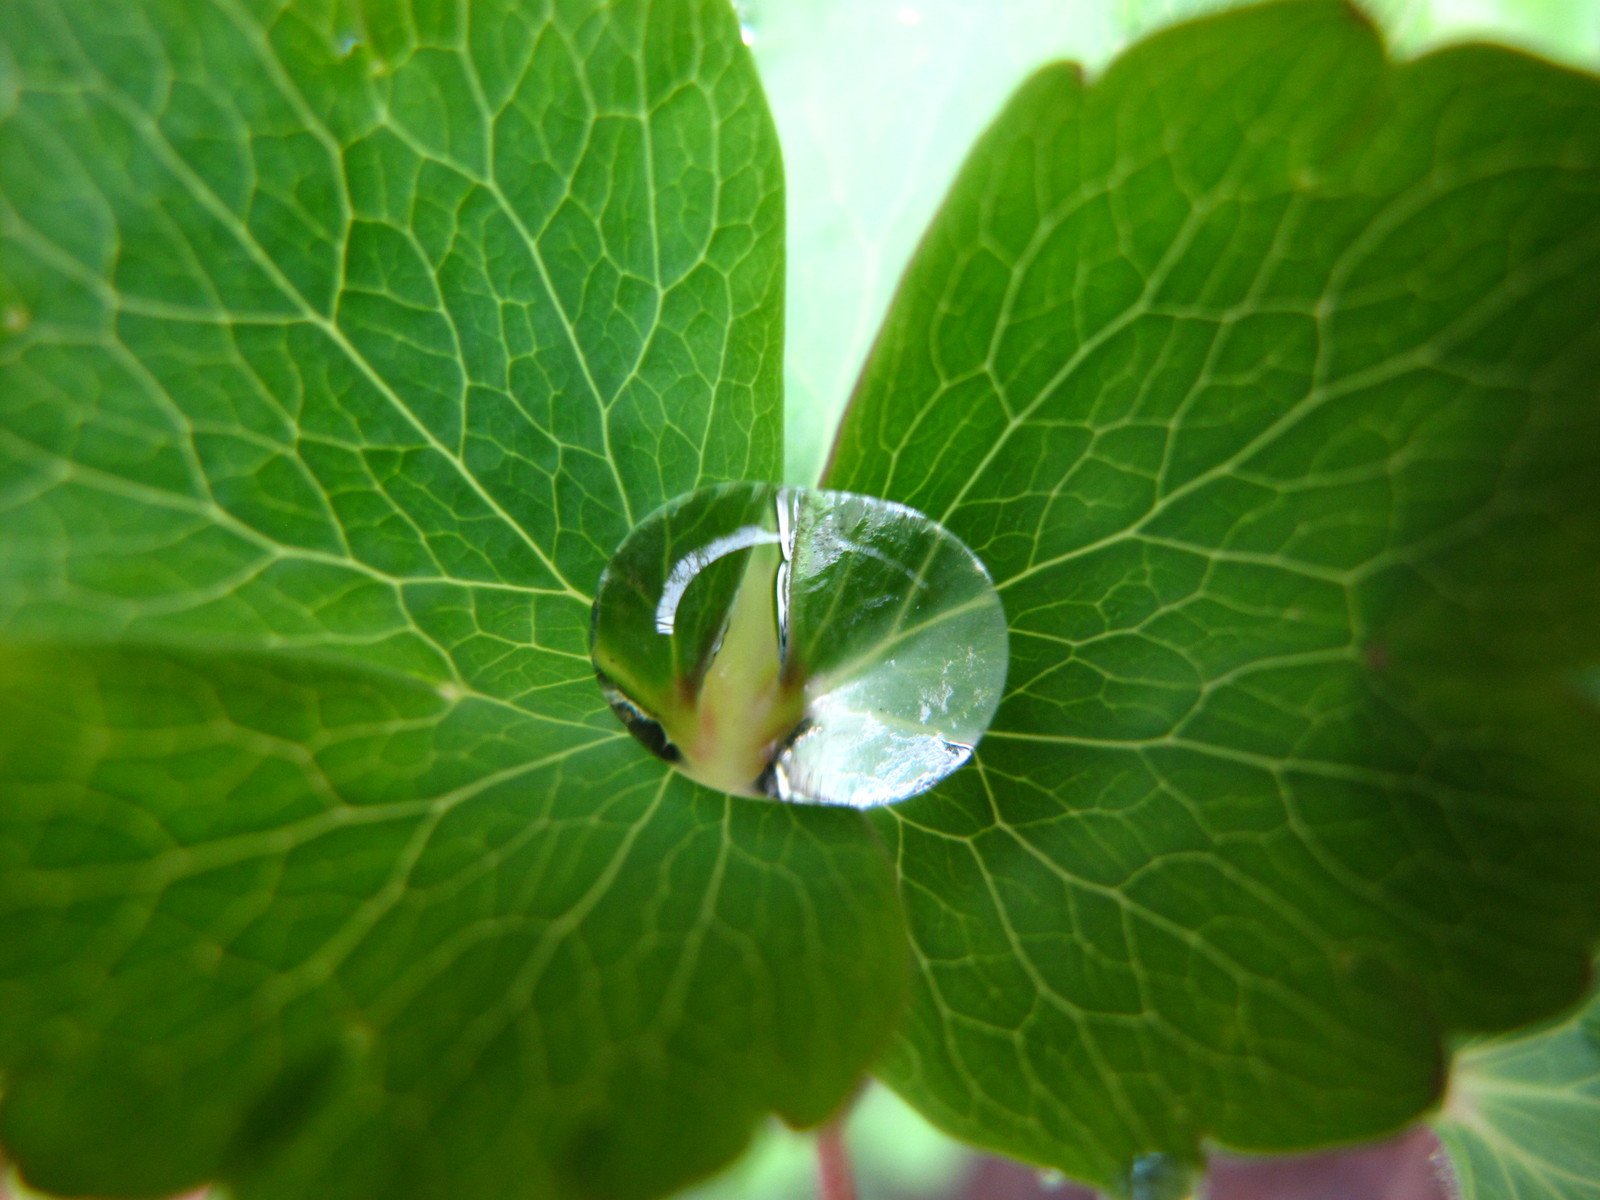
x=744 y=708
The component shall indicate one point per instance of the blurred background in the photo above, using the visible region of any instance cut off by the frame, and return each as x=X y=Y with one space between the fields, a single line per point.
x=898 y=1156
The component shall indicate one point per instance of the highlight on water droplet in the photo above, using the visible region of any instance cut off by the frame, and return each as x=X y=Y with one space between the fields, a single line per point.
x=800 y=644
x=747 y=25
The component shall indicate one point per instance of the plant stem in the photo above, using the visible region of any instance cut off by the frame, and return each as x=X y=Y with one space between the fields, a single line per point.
x=744 y=707
x=834 y=1180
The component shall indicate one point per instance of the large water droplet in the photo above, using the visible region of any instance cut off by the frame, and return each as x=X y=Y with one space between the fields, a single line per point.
x=800 y=644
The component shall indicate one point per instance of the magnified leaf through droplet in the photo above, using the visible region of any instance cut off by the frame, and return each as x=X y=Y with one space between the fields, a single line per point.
x=800 y=644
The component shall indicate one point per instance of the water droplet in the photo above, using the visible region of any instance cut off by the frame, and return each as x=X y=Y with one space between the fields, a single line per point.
x=804 y=645
x=1053 y=1181
x=347 y=44
x=16 y=319
x=747 y=24
x=1163 y=1177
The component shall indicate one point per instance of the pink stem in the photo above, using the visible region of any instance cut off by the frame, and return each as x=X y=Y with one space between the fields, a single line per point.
x=834 y=1180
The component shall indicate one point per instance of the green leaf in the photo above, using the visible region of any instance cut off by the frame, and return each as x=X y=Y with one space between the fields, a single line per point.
x=1260 y=374
x=341 y=346
x=1523 y=1109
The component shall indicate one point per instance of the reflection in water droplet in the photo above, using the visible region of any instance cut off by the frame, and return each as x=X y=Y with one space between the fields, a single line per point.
x=804 y=645
x=692 y=563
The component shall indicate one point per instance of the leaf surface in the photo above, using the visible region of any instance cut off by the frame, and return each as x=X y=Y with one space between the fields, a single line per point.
x=1260 y=374
x=341 y=346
